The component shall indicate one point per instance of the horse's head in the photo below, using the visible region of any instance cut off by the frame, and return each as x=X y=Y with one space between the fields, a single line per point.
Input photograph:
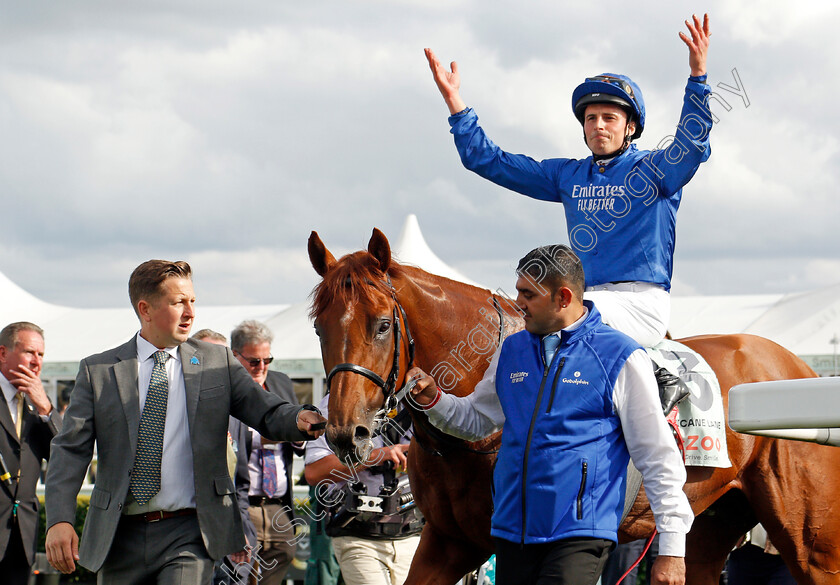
x=357 y=319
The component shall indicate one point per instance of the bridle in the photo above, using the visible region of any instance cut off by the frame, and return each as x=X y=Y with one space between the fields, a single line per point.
x=389 y=386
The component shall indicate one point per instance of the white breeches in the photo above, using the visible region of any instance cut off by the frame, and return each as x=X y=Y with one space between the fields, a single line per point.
x=639 y=309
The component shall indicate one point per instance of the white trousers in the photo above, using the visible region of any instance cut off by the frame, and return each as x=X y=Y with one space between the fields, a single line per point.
x=374 y=562
x=639 y=309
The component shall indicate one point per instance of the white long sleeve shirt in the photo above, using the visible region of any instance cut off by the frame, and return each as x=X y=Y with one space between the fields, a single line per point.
x=648 y=437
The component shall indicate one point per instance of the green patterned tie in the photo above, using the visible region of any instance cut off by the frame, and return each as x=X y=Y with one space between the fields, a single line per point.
x=145 y=479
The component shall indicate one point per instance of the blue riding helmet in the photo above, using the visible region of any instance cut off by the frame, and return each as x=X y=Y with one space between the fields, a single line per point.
x=611 y=88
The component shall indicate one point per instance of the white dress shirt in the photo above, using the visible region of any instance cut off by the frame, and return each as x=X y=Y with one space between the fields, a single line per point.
x=648 y=437
x=177 y=483
x=255 y=469
x=10 y=397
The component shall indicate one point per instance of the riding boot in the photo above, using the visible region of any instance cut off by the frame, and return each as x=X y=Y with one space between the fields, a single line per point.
x=671 y=389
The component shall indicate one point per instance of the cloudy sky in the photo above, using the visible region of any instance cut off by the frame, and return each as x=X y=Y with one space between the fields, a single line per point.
x=224 y=132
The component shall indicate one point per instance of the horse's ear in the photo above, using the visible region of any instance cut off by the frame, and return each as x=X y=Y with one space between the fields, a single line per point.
x=380 y=249
x=321 y=258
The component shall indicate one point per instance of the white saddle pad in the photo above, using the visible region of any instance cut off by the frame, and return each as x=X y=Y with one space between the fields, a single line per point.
x=700 y=417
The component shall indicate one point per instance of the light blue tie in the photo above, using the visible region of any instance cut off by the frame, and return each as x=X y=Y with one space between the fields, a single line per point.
x=550 y=343
x=145 y=479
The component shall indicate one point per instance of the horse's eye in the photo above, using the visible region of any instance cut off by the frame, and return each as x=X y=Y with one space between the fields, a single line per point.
x=384 y=327
x=317 y=331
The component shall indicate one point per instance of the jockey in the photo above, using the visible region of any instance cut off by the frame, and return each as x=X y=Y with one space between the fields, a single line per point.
x=621 y=202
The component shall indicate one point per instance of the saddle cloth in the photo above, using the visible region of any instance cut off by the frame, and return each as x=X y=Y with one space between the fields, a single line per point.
x=700 y=417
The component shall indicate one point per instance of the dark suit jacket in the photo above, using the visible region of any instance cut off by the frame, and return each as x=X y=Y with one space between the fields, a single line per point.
x=241 y=435
x=105 y=409
x=280 y=384
x=24 y=454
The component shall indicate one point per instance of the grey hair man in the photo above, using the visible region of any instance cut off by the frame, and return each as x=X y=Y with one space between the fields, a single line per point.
x=28 y=423
x=269 y=462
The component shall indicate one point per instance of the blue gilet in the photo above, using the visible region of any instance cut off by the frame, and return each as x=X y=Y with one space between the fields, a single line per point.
x=561 y=469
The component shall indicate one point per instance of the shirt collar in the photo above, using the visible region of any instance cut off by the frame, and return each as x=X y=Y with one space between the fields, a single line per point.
x=9 y=391
x=146 y=350
x=604 y=161
x=574 y=325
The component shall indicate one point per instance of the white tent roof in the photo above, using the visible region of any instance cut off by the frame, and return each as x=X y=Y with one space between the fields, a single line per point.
x=294 y=336
x=411 y=248
x=72 y=333
x=696 y=315
x=805 y=323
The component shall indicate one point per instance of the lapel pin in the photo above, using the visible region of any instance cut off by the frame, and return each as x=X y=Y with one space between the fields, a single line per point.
x=194 y=360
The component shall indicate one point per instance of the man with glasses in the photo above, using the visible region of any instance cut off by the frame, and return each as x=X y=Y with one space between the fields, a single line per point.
x=620 y=203
x=270 y=462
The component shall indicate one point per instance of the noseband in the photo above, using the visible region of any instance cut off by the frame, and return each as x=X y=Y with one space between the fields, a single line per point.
x=388 y=386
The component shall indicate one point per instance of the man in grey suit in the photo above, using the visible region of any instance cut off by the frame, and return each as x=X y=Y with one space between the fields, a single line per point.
x=28 y=423
x=156 y=408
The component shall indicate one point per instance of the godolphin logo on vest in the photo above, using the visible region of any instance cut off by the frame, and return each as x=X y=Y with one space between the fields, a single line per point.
x=576 y=380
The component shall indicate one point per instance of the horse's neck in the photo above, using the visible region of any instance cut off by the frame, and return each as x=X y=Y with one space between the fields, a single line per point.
x=456 y=327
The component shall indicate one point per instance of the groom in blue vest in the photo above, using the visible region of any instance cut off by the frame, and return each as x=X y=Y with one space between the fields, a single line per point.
x=575 y=399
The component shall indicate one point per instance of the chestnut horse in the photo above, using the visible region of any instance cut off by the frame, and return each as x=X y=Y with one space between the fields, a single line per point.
x=369 y=310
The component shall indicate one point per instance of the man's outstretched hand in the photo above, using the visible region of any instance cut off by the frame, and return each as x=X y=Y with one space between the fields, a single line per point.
x=425 y=389
x=698 y=44
x=309 y=422
x=448 y=82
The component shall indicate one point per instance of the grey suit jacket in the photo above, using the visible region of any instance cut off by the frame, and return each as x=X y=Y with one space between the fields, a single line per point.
x=241 y=435
x=104 y=409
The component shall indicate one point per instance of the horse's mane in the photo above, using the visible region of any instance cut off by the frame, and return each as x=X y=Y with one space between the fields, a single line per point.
x=354 y=278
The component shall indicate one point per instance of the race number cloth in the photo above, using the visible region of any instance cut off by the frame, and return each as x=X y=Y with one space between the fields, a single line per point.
x=700 y=416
